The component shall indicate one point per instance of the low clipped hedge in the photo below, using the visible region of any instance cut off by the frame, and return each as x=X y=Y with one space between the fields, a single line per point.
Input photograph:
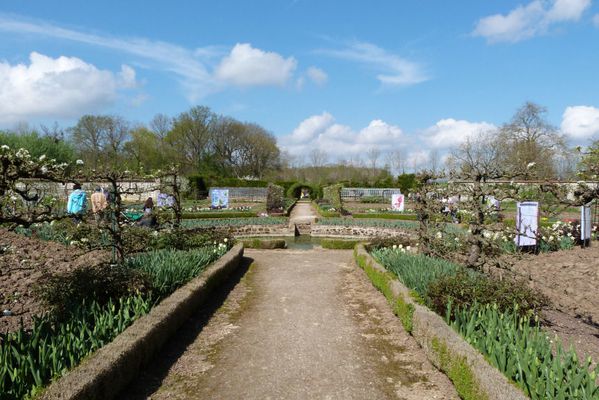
x=404 y=217
x=220 y=214
x=338 y=244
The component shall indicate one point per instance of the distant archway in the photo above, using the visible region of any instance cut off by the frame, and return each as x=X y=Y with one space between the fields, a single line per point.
x=302 y=190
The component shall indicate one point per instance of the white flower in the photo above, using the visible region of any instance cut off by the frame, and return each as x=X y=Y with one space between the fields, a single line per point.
x=225 y=240
x=408 y=248
x=394 y=247
x=530 y=165
x=439 y=235
x=13 y=198
x=79 y=162
x=44 y=170
x=42 y=157
x=5 y=147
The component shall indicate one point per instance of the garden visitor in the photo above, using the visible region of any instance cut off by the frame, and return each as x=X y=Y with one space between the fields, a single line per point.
x=77 y=203
x=148 y=206
x=99 y=203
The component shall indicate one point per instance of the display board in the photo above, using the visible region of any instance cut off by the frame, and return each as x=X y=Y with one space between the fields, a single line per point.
x=585 y=222
x=165 y=200
x=527 y=223
x=397 y=202
x=219 y=198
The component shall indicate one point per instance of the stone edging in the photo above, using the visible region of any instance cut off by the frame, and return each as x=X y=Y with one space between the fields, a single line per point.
x=472 y=375
x=108 y=371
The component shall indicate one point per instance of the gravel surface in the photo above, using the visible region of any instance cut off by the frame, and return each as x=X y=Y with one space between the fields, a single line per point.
x=298 y=325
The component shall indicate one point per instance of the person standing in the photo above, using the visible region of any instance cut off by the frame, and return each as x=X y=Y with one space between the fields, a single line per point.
x=148 y=206
x=99 y=203
x=77 y=203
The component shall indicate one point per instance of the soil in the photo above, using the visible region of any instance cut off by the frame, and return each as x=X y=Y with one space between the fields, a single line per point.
x=570 y=279
x=298 y=325
x=23 y=261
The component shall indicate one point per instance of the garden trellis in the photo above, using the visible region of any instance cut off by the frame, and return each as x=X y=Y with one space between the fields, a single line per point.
x=244 y=193
x=358 y=193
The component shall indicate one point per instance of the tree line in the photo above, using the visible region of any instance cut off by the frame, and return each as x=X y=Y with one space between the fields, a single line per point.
x=198 y=140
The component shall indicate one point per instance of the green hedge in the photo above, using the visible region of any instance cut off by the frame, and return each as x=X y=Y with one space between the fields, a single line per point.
x=339 y=244
x=219 y=214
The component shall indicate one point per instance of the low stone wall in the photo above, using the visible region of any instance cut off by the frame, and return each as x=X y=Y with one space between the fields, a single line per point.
x=108 y=371
x=444 y=347
x=357 y=231
x=261 y=230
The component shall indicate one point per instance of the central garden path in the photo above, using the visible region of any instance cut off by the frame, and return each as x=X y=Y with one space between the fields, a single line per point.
x=303 y=212
x=297 y=325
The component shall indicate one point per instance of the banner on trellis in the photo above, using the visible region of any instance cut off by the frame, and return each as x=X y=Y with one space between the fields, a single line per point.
x=397 y=202
x=219 y=198
x=165 y=200
x=527 y=223
x=585 y=222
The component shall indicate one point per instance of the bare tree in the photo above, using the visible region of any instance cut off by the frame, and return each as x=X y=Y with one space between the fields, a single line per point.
x=373 y=155
x=318 y=157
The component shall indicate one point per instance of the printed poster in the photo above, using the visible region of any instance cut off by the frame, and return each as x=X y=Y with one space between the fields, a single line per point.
x=527 y=223
x=219 y=198
x=397 y=202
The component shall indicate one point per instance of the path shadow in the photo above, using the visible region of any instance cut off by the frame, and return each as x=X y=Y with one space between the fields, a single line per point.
x=150 y=378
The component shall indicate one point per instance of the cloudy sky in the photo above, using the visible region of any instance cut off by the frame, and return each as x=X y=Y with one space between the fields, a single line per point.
x=344 y=77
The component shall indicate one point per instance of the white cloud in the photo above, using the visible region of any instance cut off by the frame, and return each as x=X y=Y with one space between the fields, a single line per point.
x=195 y=68
x=596 y=20
x=526 y=21
x=317 y=75
x=57 y=87
x=395 y=70
x=321 y=132
x=248 y=66
x=581 y=122
x=310 y=127
x=449 y=132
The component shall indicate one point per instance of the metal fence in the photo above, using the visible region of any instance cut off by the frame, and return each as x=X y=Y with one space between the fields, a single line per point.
x=358 y=193
x=245 y=193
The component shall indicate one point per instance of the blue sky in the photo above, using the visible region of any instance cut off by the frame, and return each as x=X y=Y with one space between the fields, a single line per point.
x=343 y=77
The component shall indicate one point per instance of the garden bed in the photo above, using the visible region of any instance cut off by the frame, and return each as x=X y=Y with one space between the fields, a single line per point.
x=570 y=279
x=23 y=262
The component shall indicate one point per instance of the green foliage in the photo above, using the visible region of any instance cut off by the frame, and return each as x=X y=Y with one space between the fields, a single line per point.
x=197 y=186
x=416 y=271
x=463 y=290
x=407 y=182
x=338 y=244
x=522 y=351
x=28 y=360
x=381 y=242
x=38 y=145
x=294 y=191
x=458 y=370
x=275 y=201
x=373 y=199
x=389 y=215
x=325 y=209
x=224 y=222
x=332 y=194
x=168 y=269
x=219 y=214
x=405 y=312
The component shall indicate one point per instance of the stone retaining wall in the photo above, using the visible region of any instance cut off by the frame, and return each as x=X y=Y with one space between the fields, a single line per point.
x=357 y=231
x=108 y=371
x=446 y=349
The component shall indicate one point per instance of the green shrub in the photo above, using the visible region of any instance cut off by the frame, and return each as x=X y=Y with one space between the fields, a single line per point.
x=275 y=198
x=463 y=290
x=375 y=223
x=219 y=214
x=294 y=191
x=389 y=215
x=225 y=222
x=332 y=194
x=62 y=293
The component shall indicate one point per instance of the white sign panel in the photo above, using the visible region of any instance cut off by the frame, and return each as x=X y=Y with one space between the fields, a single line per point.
x=585 y=222
x=527 y=223
x=397 y=202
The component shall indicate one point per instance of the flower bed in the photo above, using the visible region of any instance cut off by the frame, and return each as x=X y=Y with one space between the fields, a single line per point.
x=55 y=344
x=509 y=337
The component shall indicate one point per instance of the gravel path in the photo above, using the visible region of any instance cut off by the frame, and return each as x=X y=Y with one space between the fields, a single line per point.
x=303 y=213
x=298 y=325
